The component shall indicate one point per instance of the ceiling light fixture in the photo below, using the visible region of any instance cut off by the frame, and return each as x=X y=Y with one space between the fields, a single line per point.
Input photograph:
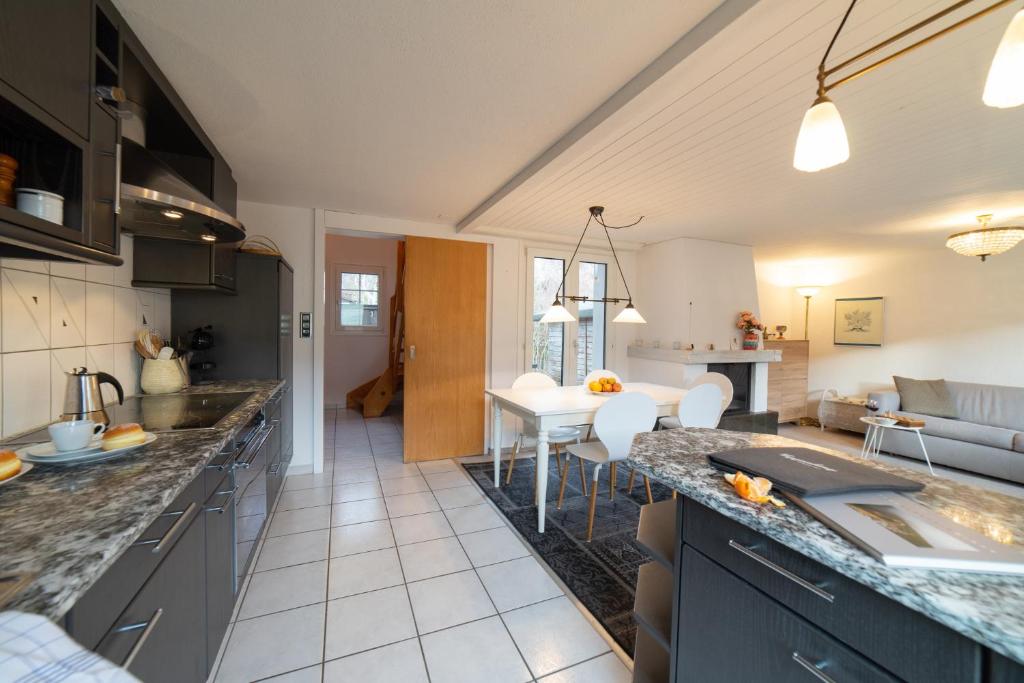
x=822 y=141
x=173 y=213
x=985 y=241
x=208 y=237
x=558 y=313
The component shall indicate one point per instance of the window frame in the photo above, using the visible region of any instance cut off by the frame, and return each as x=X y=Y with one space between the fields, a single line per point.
x=383 y=309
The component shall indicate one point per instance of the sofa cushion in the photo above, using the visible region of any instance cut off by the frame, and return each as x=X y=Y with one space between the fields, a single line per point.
x=960 y=430
x=989 y=404
x=925 y=396
x=1018 y=442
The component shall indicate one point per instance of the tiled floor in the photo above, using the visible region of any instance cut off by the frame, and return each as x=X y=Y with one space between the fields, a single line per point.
x=378 y=571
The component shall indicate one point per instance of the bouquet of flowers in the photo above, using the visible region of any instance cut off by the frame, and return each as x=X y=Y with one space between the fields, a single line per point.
x=748 y=322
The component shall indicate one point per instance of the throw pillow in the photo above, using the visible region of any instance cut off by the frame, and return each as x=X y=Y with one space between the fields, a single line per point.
x=925 y=396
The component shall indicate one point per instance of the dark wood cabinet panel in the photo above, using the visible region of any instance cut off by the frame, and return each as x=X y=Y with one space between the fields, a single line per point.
x=174 y=264
x=103 y=217
x=45 y=54
x=220 y=566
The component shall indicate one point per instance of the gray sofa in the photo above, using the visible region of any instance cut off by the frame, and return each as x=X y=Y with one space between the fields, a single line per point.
x=987 y=438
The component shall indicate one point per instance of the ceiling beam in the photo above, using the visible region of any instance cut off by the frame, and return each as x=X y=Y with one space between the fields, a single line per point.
x=709 y=27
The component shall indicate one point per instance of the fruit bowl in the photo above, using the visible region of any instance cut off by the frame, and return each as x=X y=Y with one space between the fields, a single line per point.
x=604 y=386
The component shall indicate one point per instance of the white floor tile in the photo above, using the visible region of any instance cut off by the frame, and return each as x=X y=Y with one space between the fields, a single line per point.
x=518 y=583
x=458 y=497
x=306 y=498
x=354 y=476
x=411 y=504
x=307 y=481
x=448 y=600
x=553 y=635
x=297 y=521
x=604 y=669
x=397 y=469
x=394 y=487
x=493 y=545
x=365 y=572
x=466 y=520
x=358 y=511
x=257 y=650
x=310 y=674
x=280 y=589
x=360 y=538
x=418 y=528
x=433 y=558
x=435 y=466
x=474 y=652
x=366 y=490
x=398 y=663
x=284 y=551
x=447 y=480
x=369 y=620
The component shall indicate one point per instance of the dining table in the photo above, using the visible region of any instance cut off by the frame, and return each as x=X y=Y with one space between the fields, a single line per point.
x=567 y=406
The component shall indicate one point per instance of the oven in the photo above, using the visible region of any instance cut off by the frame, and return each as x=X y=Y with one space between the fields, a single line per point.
x=250 y=485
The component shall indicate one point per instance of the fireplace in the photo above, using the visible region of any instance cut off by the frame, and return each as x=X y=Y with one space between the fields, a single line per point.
x=740 y=375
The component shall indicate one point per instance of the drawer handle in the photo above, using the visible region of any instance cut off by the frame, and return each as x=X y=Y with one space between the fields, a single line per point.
x=147 y=629
x=229 y=493
x=812 y=668
x=255 y=447
x=803 y=583
x=184 y=517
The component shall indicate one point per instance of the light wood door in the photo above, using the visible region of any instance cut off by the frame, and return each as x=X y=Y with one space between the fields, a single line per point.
x=445 y=348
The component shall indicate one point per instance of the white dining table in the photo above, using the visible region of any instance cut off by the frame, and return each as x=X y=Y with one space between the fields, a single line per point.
x=546 y=409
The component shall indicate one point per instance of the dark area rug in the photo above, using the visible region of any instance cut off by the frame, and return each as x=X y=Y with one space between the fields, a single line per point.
x=602 y=574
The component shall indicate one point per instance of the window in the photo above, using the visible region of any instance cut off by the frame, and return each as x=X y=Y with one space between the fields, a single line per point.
x=547 y=339
x=590 y=331
x=356 y=295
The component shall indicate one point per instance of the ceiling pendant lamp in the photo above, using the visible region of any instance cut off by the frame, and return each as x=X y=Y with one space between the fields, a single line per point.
x=822 y=141
x=985 y=241
x=1004 y=87
x=558 y=313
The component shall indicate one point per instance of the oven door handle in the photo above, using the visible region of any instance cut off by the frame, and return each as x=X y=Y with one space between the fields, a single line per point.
x=254 y=447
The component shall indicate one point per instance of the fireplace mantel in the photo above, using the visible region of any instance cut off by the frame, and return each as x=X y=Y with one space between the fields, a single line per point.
x=698 y=357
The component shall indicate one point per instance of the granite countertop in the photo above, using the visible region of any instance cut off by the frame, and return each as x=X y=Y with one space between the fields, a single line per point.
x=69 y=524
x=987 y=608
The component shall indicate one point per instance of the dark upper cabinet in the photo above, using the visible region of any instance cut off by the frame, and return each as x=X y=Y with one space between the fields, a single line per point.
x=174 y=264
x=103 y=214
x=45 y=50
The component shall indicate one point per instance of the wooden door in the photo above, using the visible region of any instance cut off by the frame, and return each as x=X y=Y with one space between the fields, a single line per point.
x=445 y=348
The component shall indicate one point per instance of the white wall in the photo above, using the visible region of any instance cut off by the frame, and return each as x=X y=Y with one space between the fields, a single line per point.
x=292 y=229
x=352 y=359
x=946 y=316
x=717 y=277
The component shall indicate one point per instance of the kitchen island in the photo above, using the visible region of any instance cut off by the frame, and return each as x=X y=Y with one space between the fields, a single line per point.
x=773 y=591
x=93 y=540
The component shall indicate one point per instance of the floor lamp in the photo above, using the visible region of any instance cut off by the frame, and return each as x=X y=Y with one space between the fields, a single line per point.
x=806 y=293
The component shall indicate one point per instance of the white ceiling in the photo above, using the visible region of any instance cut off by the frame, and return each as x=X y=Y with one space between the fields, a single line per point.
x=399 y=108
x=423 y=110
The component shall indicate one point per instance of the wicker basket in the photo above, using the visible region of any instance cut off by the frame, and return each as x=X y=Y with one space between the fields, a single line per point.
x=161 y=376
x=259 y=244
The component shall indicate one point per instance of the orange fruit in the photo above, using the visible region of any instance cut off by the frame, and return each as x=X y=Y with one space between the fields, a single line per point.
x=594 y=386
x=616 y=387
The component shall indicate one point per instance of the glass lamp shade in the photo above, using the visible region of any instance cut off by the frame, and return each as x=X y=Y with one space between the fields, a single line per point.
x=1004 y=87
x=807 y=291
x=985 y=242
x=822 y=140
x=557 y=314
x=629 y=315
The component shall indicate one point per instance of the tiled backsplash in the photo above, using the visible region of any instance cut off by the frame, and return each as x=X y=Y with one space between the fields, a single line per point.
x=55 y=316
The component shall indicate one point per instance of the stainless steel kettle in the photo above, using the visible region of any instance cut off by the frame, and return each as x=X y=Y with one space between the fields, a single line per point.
x=83 y=399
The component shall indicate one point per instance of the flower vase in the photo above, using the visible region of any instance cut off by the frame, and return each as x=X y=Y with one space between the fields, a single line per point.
x=750 y=341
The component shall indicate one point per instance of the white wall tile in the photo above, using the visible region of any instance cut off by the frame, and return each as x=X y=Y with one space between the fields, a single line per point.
x=62 y=361
x=99 y=314
x=103 y=275
x=101 y=359
x=126 y=311
x=67 y=312
x=74 y=271
x=163 y=314
x=123 y=272
x=28 y=265
x=26 y=389
x=26 y=310
x=146 y=314
x=126 y=368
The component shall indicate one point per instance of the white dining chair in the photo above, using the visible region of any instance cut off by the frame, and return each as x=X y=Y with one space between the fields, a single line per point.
x=557 y=437
x=592 y=376
x=616 y=423
x=700 y=406
x=716 y=378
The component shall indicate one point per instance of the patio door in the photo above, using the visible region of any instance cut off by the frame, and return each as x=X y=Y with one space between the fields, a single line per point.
x=567 y=352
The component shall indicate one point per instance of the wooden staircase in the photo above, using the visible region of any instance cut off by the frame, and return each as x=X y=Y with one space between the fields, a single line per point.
x=373 y=397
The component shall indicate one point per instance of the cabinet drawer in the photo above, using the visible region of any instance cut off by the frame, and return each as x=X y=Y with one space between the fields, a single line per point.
x=731 y=632
x=901 y=640
x=94 y=613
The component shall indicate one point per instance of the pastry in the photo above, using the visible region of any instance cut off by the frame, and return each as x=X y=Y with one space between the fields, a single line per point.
x=128 y=434
x=9 y=464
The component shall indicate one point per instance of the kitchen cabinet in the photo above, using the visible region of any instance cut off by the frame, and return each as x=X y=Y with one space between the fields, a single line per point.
x=177 y=264
x=219 y=514
x=103 y=215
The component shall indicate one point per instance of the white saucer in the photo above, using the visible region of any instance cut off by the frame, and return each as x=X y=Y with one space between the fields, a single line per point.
x=25 y=468
x=80 y=457
x=49 y=450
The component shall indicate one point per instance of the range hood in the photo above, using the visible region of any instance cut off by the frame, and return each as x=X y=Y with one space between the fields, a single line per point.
x=157 y=202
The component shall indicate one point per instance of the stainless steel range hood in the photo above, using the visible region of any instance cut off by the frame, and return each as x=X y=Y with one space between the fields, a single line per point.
x=157 y=202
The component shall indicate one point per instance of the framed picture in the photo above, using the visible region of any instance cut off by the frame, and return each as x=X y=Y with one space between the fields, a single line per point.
x=859 y=322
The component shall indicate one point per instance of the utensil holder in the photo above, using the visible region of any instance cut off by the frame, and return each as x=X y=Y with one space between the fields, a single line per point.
x=161 y=376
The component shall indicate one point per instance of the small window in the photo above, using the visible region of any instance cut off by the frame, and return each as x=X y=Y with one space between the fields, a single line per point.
x=357 y=291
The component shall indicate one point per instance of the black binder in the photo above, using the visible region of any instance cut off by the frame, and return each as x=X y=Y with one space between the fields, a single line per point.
x=806 y=472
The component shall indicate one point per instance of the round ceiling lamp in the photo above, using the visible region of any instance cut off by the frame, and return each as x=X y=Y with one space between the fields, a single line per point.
x=985 y=241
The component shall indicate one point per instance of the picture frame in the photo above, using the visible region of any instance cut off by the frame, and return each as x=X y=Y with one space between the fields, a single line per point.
x=859 y=321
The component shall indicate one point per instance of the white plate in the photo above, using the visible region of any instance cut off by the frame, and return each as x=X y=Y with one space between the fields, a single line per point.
x=49 y=450
x=606 y=393
x=82 y=457
x=25 y=467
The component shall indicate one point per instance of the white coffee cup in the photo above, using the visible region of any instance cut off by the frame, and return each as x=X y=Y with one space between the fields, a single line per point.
x=74 y=435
